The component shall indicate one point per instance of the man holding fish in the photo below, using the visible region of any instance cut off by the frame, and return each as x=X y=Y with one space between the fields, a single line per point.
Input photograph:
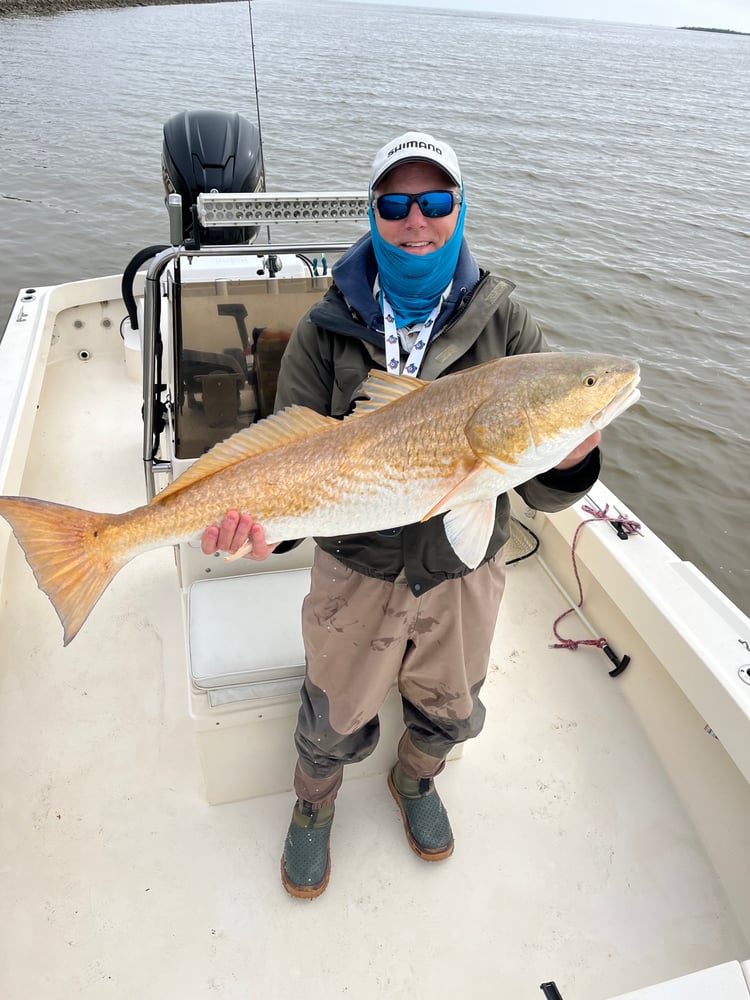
x=400 y=605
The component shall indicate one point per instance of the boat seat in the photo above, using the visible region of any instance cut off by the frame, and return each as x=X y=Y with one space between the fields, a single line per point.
x=197 y=364
x=215 y=399
x=268 y=348
x=245 y=635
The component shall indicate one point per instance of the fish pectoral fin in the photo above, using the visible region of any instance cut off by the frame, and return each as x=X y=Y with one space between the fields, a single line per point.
x=498 y=466
x=382 y=388
x=291 y=424
x=468 y=525
x=454 y=494
x=469 y=529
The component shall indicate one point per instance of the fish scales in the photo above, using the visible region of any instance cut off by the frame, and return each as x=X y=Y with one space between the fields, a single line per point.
x=325 y=483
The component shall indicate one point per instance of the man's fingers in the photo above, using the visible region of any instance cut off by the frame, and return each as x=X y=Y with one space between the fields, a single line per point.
x=237 y=534
x=258 y=536
x=209 y=540
x=234 y=531
x=227 y=529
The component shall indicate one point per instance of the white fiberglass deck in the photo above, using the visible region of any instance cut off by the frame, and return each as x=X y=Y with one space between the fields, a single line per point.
x=574 y=860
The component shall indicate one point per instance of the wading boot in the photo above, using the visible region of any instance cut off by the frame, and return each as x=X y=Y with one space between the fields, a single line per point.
x=306 y=861
x=426 y=823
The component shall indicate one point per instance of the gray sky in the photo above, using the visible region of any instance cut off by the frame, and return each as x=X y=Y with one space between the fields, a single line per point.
x=734 y=14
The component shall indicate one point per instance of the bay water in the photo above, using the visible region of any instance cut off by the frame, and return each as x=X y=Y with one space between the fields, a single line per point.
x=606 y=170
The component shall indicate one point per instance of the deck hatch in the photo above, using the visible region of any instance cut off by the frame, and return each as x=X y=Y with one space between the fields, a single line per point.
x=223 y=652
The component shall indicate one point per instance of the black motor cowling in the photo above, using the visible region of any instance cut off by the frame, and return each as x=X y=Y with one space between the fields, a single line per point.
x=206 y=151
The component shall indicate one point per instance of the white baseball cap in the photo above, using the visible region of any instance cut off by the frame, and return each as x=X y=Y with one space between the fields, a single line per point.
x=414 y=146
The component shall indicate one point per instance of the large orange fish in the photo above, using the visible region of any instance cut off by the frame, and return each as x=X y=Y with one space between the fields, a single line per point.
x=412 y=450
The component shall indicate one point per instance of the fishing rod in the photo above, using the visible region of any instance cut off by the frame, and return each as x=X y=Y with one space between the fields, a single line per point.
x=257 y=102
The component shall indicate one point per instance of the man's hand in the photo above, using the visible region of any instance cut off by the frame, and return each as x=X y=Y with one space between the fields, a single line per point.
x=238 y=534
x=578 y=454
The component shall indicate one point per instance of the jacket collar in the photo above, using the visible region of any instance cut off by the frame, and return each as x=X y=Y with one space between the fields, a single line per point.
x=354 y=278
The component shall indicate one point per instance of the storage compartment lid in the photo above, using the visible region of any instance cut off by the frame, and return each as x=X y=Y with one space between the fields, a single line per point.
x=244 y=629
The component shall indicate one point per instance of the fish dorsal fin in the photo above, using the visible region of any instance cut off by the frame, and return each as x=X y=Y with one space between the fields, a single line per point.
x=282 y=428
x=382 y=388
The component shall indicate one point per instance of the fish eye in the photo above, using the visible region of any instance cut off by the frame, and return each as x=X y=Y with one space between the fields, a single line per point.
x=589 y=379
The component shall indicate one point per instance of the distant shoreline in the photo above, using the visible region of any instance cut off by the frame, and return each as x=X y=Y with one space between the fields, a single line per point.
x=718 y=31
x=36 y=8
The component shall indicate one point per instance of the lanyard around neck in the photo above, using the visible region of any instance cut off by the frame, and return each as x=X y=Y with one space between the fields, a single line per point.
x=392 y=348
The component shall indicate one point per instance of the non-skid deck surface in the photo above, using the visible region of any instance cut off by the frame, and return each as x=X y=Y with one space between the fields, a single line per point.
x=574 y=862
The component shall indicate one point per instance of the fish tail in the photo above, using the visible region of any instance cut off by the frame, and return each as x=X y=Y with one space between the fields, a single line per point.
x=71 y=551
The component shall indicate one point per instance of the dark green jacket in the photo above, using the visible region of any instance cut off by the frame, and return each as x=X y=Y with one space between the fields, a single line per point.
x=333 y=349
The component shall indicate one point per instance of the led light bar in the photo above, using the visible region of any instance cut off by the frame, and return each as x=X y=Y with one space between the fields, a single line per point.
x=261 y=209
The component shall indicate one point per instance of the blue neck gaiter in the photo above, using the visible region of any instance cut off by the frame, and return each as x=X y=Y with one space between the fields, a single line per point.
x=413 y=283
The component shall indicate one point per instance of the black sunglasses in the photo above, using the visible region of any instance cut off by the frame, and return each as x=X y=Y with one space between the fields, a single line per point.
x=432 y=204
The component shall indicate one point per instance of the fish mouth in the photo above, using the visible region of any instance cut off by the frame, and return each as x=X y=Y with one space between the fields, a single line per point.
x=624 y=398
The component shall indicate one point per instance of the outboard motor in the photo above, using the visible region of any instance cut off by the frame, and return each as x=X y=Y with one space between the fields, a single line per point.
x=206 y=151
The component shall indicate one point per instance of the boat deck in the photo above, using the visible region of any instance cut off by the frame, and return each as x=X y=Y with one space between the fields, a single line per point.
x=574 y=860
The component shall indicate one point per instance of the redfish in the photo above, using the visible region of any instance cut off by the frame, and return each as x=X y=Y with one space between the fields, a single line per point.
x=411 y=450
